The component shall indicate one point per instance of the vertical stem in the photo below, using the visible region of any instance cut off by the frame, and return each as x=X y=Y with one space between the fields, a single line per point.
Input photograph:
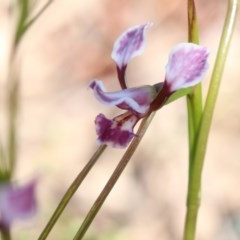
x=12 y=121
x=194 y=106
x=12 y=109
x=8 y=159
x=202 y=138
x=23 y=6
x=13 y=87
x=33 y=19
x=5 y=234
x=194 y=100
x=3 y=162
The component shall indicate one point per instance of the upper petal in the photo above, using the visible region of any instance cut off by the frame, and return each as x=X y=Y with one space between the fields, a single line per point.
x=133 y=99
x=17 y=202
x=129 y=45
x=186 y=66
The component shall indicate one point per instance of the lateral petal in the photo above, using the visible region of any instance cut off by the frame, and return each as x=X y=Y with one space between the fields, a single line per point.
x=186 y=66
x=133 y=99
x=17 y=203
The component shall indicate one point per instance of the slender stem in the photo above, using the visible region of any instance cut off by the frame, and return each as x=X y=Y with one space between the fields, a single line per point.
x=24 y=10
x=201 y=144
x=13 y=87
x=12 y=122
x=193 y=33
x=194 y=100
x=41 y=11
x=5 y=234
x=113 y=179
x=23 y=24
x=3 y=162
x=194 y=106
x=70 y=192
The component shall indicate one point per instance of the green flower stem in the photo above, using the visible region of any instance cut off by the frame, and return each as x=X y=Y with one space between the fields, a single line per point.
x=8 y=163
x=5 y=234
x=13 y=90
x=201 y=143
x=194 y=100
x=194 y=108
x=13 y=87
x=3 y=163
x=115 y=176
x=34 y=18
x=24 y=11
x=70 y=192
x=8 y=158
x=12 y=122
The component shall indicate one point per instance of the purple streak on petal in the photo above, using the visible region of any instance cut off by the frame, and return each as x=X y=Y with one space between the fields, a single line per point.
x=17 y=203
x=117 y=132
x=129 y=45
x=133 y=99
x=186 y=66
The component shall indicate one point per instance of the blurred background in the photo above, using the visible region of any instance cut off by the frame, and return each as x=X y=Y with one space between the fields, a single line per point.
x=67 y=47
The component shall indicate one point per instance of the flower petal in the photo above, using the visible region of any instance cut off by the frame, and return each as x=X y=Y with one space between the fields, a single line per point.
x=129 y=45
x=133 y=99
x=117 y=132
x=186 y=66
x=17 y=203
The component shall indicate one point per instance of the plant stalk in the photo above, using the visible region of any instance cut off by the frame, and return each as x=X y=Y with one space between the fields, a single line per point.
x=194 y=187
x=194 y=99
x=5 y=234
x=70 y=192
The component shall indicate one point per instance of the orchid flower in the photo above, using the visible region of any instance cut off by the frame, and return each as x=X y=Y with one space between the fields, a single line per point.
x=186 y=67
x=16 y=203
x=118 y=132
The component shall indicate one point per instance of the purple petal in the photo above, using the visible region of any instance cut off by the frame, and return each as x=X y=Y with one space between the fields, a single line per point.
x=133 y=99
x=17 y=203
x=117 y=132
x=129 y=45
x=186 y=66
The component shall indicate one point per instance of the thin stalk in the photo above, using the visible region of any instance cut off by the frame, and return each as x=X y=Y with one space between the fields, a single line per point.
x=5 y=234
x=13 y=88
x=113 y=179
x=31 y=21
x=194 y=100
x=3 y=162
x=194 y=104
x=24 y=11
x=12 y=122
x=201 y=144
x=70 y=192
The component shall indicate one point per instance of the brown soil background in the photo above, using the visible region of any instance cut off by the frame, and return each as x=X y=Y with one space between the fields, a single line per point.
x=68 y=46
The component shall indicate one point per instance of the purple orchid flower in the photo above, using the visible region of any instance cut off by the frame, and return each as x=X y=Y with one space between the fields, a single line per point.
x=16 y=203
x=118 y=132
x=186 y=67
